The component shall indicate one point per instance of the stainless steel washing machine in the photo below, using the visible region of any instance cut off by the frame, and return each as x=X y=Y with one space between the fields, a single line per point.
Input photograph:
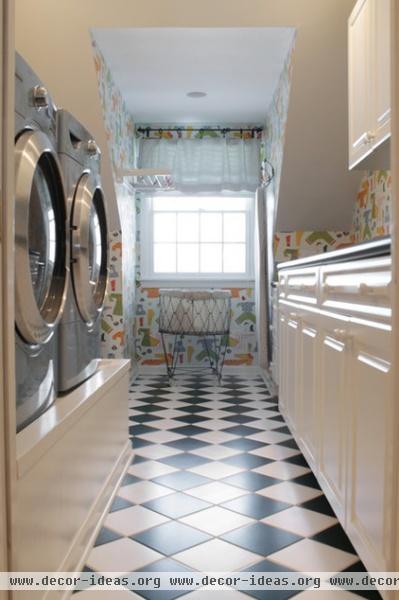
x=41 y=261
x=79 y=330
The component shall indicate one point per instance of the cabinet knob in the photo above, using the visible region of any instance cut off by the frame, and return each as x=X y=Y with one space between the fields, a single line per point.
x=370 y=136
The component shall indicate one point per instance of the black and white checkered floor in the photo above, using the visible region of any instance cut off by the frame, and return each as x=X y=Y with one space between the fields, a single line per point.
x=217 y=484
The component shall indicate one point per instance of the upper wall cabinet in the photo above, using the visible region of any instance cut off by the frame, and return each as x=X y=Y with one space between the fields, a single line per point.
x=369 y=67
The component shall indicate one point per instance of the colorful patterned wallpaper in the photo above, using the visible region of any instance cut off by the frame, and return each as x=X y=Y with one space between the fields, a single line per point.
x=119 y=314
x=372 y=212
x=371 y=219
x=298 y=244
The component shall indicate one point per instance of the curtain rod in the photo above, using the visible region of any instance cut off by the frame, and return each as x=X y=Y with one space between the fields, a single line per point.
x=218 y=129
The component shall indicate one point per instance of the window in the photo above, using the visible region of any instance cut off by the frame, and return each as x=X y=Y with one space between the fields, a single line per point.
x=197 y=237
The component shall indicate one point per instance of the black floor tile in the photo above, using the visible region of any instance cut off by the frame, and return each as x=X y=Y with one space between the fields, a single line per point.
x=242 y=430
x=176 y=505
x=319 y=504
x=255 y=506
x=120 y=504
x=187 y=444
x=140 y=443
x=335 y=536
x=184 y=461
x=289 y=444
x=140 y=429
x=241 y=419
x=308 y=479
x=261 y=538
x=297 y=459
x=190 y=430
x=148 y=408
x=145 y=418
x=251 y=481
x=181 y=480
x=243 y=444
x=192 y=418
x=106 y=535
x=128 y=479
x=193 y=408
x=170 y=538
x=247 y=461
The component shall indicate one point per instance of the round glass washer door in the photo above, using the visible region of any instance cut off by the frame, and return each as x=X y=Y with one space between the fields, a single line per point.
x=89 y=260
x=40 y=238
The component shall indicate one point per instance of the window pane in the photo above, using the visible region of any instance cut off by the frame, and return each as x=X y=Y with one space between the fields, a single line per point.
x=188 y=203
x=164 y=227
x=234 y=227
x=188 y=258
x=187 y=227
x=234 y=258
x=211 y=258
x=164 y=258
x=211 y=227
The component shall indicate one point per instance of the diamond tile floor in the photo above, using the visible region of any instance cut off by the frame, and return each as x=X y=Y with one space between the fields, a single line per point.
x=217 y=483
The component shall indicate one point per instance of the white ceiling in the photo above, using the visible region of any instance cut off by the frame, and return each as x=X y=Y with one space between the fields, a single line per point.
x=238 y=68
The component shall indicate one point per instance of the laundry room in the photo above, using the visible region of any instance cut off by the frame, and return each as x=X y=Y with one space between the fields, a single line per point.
x=198 y=302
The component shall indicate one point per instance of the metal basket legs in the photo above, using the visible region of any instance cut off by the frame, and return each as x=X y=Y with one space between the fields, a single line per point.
x=214 y=345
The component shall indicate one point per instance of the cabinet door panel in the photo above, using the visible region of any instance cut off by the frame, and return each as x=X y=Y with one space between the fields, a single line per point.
x=282 y=359
x=334 y=355
x=293 y=367
x=308 y=429
x=382 y=69
x=360 y=74
x=370 y=462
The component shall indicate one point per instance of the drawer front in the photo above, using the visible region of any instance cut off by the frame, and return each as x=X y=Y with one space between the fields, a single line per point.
x=301 y=285
x=361 y=289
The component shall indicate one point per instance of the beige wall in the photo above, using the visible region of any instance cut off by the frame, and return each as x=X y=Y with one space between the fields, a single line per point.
x=317 y=190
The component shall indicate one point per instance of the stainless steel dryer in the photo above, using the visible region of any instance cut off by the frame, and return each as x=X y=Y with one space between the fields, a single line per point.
x=79 y=332
x=40 y=245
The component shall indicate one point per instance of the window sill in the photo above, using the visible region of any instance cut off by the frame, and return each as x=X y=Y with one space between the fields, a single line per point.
x=197 y=283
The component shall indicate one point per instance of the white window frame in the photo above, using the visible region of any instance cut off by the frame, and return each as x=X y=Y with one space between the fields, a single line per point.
x=151 y=279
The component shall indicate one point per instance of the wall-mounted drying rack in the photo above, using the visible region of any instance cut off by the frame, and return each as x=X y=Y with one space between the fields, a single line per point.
x=145 y=180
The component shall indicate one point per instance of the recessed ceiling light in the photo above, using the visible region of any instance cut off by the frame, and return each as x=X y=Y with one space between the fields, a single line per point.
x=196 y=94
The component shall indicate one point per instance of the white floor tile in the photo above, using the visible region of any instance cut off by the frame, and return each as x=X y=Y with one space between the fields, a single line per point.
x=174 y=396
x=215 y=396
x=165 y=424
x=228 y=594
x=274 y=452
x=215 y=452
x=215 y=424
x=150 y=469
x=301 y=521
x=143 y=491
x=308 y=556
x=261 y=414
x=264 y=424
x=216 y=405
x=215 y=470
x=129 y=521
x=282 y=470
x=292 y=493
x=216 y=413
x=121 y=556
x=216 y=492
x=217 y=555
x=269 y=437
x=328 y=595
x=106 y=595
x=216 y=520
x=215 y=437
x=169 y=413
x=161 y=437
x=156 y=451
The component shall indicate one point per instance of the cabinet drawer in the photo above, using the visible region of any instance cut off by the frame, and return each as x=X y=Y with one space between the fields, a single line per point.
x=301 y=285
x=361 y=288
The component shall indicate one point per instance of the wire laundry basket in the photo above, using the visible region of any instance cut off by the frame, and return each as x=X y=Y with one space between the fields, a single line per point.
x=202 y=313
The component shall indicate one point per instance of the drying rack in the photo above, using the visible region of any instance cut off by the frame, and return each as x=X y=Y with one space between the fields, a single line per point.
x=147 y=180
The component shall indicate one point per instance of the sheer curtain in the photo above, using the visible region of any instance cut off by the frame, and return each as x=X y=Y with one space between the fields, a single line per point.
x=207 y=164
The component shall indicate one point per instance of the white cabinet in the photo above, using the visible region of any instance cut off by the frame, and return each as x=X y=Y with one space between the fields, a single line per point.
x=335 y=392
x=334 y=350
x=369 y=66
x=369 y=507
